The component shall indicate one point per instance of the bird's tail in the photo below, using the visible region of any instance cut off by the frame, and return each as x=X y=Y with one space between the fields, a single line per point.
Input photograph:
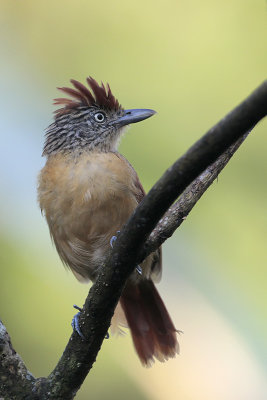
x=152 y=329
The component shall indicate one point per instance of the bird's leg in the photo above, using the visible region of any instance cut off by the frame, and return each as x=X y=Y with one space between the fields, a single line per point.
x=112 y=240
x=75 y=322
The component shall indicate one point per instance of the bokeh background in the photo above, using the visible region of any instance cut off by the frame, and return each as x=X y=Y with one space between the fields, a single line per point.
x=192 y=62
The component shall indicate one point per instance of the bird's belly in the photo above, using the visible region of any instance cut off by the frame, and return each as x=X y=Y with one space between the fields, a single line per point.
x=83 y=237
x=85 y=204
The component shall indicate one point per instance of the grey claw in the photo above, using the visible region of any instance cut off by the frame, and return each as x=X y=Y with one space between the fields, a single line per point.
x=77 y=307
x=139 y=270
x=113 y=239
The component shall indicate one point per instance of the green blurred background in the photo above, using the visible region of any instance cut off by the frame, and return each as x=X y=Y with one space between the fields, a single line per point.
x=192 y=62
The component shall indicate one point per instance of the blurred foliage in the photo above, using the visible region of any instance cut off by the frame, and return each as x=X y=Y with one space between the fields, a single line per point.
x=192 y=62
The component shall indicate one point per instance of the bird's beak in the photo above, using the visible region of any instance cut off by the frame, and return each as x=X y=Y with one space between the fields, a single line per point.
x=132 y=116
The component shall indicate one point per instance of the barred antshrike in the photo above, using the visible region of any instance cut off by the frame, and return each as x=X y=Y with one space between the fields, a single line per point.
x=87 y=191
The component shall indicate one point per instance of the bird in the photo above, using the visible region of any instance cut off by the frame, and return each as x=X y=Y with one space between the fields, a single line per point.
x=87 y=191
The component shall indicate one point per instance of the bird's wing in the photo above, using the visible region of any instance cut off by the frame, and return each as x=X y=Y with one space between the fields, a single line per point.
x=156 y=266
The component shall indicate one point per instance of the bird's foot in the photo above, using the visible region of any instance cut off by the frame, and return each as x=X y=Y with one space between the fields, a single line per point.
x=76 y=326
x=75 y=322
x=139 y=270
x=113 y=239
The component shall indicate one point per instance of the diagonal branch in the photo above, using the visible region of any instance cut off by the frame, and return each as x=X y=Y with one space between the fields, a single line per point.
x=129 y=249
x=178 y=212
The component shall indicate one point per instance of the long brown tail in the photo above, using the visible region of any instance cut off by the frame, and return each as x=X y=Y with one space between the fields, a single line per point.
x=152 y=329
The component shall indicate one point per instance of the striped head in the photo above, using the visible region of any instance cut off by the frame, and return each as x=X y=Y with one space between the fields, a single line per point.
x=91 y=119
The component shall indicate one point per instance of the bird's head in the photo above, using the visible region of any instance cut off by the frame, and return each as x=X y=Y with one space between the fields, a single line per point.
x=91 y=120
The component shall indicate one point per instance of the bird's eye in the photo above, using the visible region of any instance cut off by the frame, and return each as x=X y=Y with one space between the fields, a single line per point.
x=99 y=117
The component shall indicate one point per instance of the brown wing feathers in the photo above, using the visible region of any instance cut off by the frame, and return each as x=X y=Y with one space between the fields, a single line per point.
x=100 y=96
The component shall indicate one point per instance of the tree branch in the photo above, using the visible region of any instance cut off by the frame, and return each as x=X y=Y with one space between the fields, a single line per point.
x=178 y=212
x=15 y=380
x=129 y=248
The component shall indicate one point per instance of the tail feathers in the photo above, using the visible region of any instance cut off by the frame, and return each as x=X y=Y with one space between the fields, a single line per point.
x=152 y=329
